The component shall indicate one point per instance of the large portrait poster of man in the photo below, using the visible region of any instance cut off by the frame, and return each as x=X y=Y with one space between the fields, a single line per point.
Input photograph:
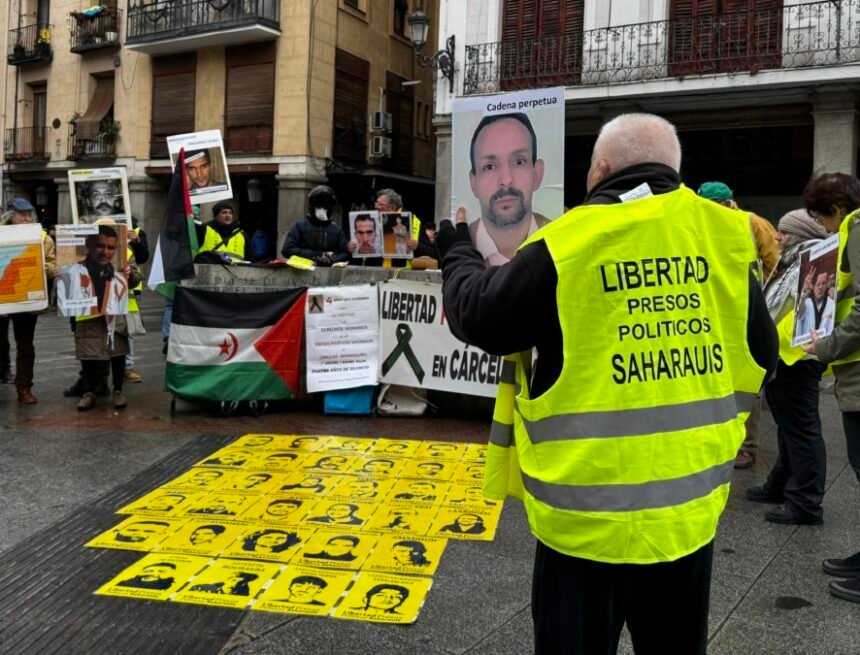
x=508 y=168
x=99 y=193
x=205 y=165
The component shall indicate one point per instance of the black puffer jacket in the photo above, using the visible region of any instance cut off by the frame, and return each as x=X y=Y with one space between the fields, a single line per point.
x=311 y=238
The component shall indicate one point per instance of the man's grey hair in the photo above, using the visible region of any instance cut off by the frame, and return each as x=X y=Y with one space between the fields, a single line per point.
x=393 y=197
x=631 y=139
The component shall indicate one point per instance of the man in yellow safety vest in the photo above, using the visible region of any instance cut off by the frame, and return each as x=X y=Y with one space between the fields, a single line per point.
x=652 y=339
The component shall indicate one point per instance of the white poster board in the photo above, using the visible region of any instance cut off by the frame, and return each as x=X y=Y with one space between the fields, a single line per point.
x=418 y=350
x=205 y=165
x=99 y=193
x=507 y=171
x=816 y=292
x=341 y=337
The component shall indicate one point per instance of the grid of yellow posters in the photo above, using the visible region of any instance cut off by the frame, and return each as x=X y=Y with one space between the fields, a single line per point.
x=343 y=527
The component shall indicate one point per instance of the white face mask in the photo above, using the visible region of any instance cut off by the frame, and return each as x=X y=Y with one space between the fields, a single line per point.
x=321 y=214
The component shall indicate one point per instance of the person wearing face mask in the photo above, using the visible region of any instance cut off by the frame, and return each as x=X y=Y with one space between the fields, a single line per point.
x=315 y=236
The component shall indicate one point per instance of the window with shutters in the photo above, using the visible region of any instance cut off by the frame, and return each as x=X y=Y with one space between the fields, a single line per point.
x=712 y=36
x=173 y=93
x=249 y=105
x=349 y=137
x=541 y=43
x=400 y=103
x=399 y=14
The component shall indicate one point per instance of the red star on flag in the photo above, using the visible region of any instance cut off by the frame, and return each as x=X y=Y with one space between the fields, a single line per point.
x=225 y=347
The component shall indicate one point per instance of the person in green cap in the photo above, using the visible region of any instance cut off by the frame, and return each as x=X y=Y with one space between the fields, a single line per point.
x=767 y=247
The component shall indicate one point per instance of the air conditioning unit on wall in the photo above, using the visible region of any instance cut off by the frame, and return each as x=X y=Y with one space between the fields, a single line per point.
x=380 y=146
x=381 y=121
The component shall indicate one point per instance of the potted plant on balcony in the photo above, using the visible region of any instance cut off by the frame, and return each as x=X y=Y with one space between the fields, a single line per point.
x=108 y=132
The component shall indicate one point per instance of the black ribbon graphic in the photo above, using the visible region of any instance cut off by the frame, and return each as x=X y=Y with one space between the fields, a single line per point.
x=404 y=336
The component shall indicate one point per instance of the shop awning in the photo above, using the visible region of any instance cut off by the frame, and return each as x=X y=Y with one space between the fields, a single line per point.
x=100 y=104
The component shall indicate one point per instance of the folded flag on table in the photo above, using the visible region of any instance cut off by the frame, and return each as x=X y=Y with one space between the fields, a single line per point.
x=235 y=346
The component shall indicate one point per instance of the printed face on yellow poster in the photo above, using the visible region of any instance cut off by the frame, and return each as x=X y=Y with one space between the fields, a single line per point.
x=384 y=598
x=154 y=577
x=304 y=590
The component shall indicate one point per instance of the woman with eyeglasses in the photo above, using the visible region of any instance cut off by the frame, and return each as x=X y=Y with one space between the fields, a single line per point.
x=833 y=200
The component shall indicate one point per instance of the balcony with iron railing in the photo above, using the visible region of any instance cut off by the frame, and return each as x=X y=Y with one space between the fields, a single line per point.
x=29 y=44
x=795 y=36
x=92 y=140
x=157 y=27
x=94 y=32
x=26 y=144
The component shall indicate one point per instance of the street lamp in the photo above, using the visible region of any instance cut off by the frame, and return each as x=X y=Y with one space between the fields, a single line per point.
x=419 y=24
x=255 y=190
x=41 y=196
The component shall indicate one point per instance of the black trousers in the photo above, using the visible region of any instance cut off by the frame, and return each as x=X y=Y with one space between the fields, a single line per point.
x=95 y=372
x=579 y=606
x=801 y=466
x=851 y=423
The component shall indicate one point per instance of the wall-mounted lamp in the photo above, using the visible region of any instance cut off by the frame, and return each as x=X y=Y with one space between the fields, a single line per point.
x=255 y=190
x=419 y=24
x=41 y=196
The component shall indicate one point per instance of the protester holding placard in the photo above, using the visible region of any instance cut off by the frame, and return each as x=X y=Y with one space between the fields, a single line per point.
x=315 y=236
x=833 y=200
x=19 y=212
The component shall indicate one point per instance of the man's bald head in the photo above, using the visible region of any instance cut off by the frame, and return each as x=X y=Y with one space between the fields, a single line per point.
x=632 y=139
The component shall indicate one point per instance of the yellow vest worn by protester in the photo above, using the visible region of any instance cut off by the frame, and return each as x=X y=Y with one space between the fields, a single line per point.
x=845 y=295
x=132 y=299
x=627 y=457
x=235 y=244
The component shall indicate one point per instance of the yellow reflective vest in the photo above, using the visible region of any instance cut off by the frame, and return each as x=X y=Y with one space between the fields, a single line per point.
x=627 y=458
x=845 y=294
x=132 y=298
x=235 y=243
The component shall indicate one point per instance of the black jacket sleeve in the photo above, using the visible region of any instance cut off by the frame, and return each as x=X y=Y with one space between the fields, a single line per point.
x=141 y=248
x=341 y=252
x=761 y=332
x=294 y=244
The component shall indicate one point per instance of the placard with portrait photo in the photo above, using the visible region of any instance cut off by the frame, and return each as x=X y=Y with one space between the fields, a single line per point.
x=304 y=590
x=228 y=583
x=135 y=533
x=204 y=537
x=365 y=228
x=205 y=165
x=154 y=577
x=383 y=598
x=337 y=549
x=81 y=250
x=396 y=231
x=507 y=171
x=816 y=292
x=404 y=554
x=99 y=193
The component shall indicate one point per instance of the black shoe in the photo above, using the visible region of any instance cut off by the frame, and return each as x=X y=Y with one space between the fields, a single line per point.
x=76 y=390
x=846 y=589
x=848 y=567
x=762 y=494
x=785 y=516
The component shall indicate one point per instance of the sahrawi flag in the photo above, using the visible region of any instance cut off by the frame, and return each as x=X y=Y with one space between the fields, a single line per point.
x=235 y=346
x=177 y=239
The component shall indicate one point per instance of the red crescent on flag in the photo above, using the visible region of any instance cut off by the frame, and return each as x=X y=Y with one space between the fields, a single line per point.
x=235 y=342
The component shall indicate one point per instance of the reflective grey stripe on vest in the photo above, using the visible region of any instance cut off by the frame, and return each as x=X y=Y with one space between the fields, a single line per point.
x=501 y=434
x=638 y=422
x=846 y=293
x=509 y=372
x=630 y=497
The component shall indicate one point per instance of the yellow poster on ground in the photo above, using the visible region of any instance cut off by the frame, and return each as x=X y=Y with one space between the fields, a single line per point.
x=351 y=446
x=304 y=590
x=429 y=469
x=258 y=441
x=199 y=479
x=384 y=598
x=135 y=533
x=466 y=523
x=23 y=287
x=253 y=482
x=204 y=537
x=310 y=484
x=285 y=461
x=362 y=488
x=469 y=472
x=475 y=453
x=379 y=467
x=402 y=520
x=418 y=493
x=465 y=494
x=443 y=451
x=154 y=577
x=332 y=549
x=269 y=543
x=227 y=583
x=160 y=502
x=394 y=448
x=283 y=510
x=220 y=504
x=344 y=516
x=230 y=458
x=403 y=554
x=328 y=462
x=306 y=442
